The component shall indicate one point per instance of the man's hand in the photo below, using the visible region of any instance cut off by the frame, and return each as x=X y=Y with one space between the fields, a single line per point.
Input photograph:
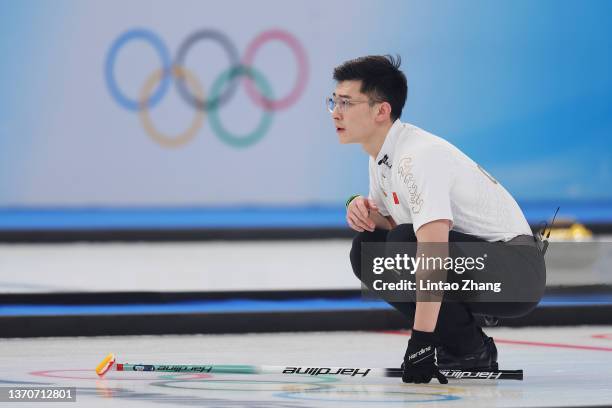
x=358 y=214
x=420 y=360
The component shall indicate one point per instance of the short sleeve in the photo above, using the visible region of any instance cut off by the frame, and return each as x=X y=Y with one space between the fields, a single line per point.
x=425 y=185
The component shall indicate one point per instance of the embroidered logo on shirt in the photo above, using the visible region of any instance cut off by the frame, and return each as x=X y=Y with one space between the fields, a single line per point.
x=404 y=170
x=395 y=199
x=385 y=161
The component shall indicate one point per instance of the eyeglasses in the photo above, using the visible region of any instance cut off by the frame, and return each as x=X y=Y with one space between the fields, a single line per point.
x=343 y=104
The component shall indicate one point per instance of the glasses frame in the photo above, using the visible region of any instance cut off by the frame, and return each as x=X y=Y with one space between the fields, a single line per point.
x=344 y=105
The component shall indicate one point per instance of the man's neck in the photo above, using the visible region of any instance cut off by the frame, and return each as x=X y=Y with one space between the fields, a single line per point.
x=375 y=142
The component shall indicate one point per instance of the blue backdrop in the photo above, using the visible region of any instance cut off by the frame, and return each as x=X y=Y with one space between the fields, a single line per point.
x=98 y=130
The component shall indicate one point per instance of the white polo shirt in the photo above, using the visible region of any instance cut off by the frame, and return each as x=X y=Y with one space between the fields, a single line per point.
x=419 y=177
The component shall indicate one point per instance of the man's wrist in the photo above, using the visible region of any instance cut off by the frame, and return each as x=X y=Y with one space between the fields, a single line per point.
x=351 y=198
x=424 y=337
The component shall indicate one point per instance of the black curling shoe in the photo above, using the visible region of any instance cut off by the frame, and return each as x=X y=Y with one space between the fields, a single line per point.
x=483 y=358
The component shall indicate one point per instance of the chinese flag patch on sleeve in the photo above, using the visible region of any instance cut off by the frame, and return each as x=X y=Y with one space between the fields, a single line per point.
x=395 y=199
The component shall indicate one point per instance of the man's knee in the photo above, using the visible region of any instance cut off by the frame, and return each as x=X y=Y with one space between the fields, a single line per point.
x=363 y=237
x=356 y=253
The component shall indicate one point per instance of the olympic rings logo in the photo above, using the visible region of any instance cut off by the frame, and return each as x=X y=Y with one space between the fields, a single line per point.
x=189 y=88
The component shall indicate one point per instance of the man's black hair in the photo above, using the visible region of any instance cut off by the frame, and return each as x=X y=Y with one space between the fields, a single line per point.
x=381 y=79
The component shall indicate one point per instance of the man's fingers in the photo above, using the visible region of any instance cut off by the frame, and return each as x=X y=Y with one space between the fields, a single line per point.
x=361 y=224
x=353 y=224
x=350 y=222
x=358 y=216
x=362 y=214
x=372 y=204
x=362 y=209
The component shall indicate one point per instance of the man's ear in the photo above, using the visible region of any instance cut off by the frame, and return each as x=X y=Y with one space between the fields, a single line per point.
x=384 y=111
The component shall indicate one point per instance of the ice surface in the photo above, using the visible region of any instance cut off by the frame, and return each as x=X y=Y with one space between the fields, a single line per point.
x=563 y=367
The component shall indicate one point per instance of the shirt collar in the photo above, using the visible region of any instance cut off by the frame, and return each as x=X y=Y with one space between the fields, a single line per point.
x=390 y=140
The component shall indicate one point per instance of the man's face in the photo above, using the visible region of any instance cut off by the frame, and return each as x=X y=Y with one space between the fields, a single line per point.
x=356 y=121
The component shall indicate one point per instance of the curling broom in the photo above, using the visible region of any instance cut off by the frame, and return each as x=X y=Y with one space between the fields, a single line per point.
x=109 y=364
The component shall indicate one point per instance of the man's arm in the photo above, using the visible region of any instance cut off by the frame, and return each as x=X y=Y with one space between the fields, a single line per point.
x=362 y=214
x=426 y=315
x=382 y=222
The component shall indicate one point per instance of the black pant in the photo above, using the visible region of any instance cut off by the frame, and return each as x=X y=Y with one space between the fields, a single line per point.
x=456 y=327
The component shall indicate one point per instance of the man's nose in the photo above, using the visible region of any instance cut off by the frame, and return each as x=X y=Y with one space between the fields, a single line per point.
x=336 y=113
